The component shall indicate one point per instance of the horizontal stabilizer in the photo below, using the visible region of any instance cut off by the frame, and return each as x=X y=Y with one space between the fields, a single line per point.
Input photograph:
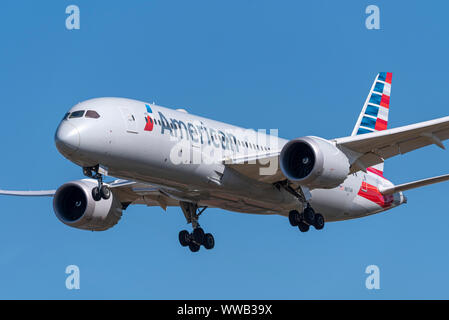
x=414 y=184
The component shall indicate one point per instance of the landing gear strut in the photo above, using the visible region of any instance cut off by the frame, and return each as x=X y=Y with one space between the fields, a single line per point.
x=197 y=237
x=102 y=191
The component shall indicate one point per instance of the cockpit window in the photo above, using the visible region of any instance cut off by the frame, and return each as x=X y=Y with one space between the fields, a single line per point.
x=66 y=116
x=92 y=114
x=77 y=114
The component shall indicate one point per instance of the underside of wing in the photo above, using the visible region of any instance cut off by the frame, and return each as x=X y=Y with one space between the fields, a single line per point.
x=262 y=167
x=131 y=192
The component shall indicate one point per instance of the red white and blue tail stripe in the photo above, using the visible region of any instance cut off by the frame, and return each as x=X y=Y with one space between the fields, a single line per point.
x=374 y=115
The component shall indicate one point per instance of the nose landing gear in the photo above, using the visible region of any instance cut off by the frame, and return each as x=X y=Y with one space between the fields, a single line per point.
x=306 y=219
x=101 y=191
x=197 y=237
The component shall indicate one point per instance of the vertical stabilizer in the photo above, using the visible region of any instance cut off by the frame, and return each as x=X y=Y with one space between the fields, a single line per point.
x=374 y=115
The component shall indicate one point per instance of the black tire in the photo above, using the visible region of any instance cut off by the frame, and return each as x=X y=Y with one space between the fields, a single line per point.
x=96 y=195
x=209 y=241
x=319 y=221
x=309 y=216
x=198 y=235
x=303 y=227
x=194 y=247
x=294 y=218
x=105 y=192
x=184 y=238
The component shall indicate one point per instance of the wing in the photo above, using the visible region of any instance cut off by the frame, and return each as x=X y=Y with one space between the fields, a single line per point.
x=369 y=149
x=363 y=150
x=129 y=192
x=262 y=167
x=43 y=193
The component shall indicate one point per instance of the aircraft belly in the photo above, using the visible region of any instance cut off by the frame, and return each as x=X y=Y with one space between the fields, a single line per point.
x=338 y=203
x=227 y=190
x=331 y=203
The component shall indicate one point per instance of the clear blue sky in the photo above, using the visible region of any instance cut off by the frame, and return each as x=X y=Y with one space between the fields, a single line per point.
x=302 y=67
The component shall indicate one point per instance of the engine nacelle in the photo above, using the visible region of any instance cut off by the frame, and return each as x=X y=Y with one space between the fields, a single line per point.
x=74 y=206
x=314 y=162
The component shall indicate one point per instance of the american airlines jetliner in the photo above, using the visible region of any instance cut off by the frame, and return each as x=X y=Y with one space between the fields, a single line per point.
x=163 y=157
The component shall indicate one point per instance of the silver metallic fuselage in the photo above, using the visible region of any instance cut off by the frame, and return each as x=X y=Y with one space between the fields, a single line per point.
x=119 y=142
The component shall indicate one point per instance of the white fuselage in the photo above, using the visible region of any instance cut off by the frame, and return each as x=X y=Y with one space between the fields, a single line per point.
x=175 y=151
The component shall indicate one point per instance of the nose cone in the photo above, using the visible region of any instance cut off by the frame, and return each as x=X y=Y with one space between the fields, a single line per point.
x=67 y=139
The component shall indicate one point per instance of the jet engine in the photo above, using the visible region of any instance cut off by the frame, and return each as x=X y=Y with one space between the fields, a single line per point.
x=74 y=206
x=314 y=162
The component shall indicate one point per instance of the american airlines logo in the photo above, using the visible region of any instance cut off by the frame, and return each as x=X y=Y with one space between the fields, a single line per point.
x=197 y=143
x=149 y=120
x=196 y=133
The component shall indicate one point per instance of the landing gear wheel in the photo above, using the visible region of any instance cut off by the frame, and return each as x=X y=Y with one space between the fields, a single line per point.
x=319 y=221
x=194 y=247
x=209 y=241
x=101 y=191
x=309 y=216
x=198 y=235
x=105 y=192
x=294 y=218
x=96 y=195
x=184 y=238
x=303 y=227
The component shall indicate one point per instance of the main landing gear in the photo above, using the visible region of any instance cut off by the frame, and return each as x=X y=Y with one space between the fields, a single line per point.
x=306 y=219
x=197 y=237
x=102 y=191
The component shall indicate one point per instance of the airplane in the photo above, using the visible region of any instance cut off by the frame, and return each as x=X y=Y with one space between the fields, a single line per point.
x=164 y=157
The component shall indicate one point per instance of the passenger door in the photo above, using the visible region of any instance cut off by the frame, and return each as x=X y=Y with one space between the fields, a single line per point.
x=130 y=120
